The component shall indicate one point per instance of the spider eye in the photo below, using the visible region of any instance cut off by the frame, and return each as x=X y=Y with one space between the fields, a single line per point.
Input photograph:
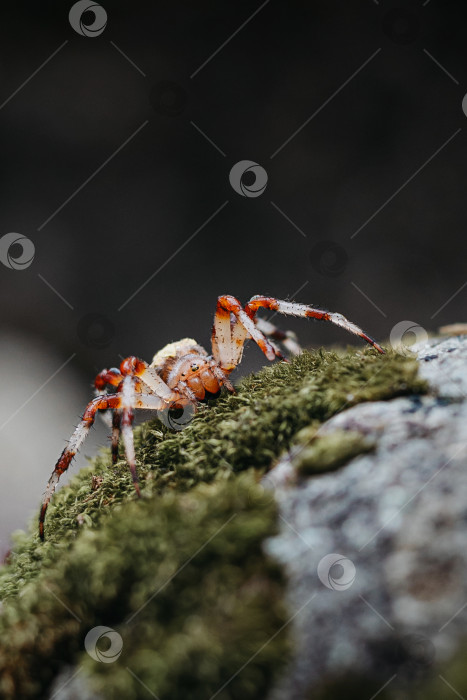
x=194 y=368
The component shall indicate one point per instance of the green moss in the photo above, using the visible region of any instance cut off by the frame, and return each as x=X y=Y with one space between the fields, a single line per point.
x=105 y=552
x=191 y=571
x=328 y=452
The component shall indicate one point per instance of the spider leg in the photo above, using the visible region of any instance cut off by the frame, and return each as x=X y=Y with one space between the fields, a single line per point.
x=116 y=423
x=136 y=373
x=117 y=402
x=131 y=400
x=223 y=379
x=184 y=389
x=99 y=403
x=290 y=308
x=148 y=376
x=113 y=377
x=133 y=375
x=228 y=338
x=127 y=418
x=286 y=338
x=107 y=377
x=122 y=420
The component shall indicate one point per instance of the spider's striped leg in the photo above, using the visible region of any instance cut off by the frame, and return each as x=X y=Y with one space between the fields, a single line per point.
x=116 y=421
x=101 y=403
x=290 y=308
x=229 y=337
x=136 y=374
x=107 y=377
x=131 y=400
x=127 y=417
x=147 y=379
x=135 y=367
x=286 y=338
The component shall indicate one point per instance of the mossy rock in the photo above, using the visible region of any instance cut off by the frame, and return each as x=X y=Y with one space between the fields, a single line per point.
x=180 y=575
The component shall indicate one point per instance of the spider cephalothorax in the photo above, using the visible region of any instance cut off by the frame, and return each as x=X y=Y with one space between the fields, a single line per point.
x=183 y=373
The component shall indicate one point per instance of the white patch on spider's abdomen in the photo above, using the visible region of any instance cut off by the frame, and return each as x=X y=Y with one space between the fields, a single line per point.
x=177 y=349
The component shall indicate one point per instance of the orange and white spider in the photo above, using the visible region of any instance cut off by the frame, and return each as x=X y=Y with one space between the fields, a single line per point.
x=183 y=373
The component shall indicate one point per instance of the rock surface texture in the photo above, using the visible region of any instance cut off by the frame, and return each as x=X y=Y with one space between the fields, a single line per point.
x=391 y=605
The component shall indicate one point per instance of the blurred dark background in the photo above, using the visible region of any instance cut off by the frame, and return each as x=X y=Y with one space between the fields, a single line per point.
x=116 y=152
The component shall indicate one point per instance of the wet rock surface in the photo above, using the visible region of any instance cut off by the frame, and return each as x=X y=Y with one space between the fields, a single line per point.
x=391 y=604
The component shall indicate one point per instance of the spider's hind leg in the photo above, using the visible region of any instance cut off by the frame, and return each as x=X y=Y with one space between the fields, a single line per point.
x=287 y=339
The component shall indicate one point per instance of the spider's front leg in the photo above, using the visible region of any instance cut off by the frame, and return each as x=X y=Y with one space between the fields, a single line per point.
x=147 y=379
x=134 y=377
x=228 y=337
x=100 y=403
x=132 y=397
x=110 y=377
x=128 y=401
x=290 y=308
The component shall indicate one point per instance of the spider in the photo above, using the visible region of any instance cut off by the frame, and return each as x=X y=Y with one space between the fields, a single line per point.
x=183 y=373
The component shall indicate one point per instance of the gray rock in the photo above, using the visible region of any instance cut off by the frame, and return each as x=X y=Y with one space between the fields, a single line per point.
x=443 y=363
x=395 y=601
